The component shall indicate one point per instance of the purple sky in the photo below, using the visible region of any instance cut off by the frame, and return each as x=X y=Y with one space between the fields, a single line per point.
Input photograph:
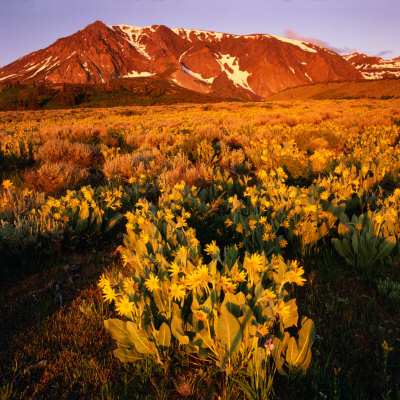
x=368 y=26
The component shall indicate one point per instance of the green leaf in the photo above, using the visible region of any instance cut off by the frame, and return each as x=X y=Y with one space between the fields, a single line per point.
x=339 y=247
x=307 y=361
x=228 y=327
x=118 y=330
x=306 y=340
x=177 y=330
x=292 y=318
x=203 y=339
x=139 y=338
x=113 y=221
x=280 y=346
x=164 y=336
x=292 y=352
x=355 y=242
x=386 y=247
x=126 y=355
x=232 y=304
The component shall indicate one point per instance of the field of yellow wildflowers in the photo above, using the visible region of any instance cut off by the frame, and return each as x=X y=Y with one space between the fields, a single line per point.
x=231 y=250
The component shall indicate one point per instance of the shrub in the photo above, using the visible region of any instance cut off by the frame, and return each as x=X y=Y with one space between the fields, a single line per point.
x=54 y=178
x=63 y=151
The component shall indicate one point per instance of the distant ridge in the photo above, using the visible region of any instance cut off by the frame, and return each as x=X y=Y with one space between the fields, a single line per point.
x=237 y=66
x=375 y=67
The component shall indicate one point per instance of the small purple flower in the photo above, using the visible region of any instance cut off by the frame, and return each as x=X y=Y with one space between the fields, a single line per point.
x=269 y=346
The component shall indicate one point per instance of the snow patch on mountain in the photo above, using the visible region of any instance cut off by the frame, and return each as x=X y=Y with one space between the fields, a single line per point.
x=133 y=35
x=234 y=73
x=197 y=76
x=305 y=46
x=135 y=74
x=379 y=74
x=44 y=66
x=198 y=34
x=7 y=76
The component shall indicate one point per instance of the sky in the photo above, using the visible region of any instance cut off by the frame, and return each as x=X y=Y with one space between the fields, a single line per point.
x=345 y=26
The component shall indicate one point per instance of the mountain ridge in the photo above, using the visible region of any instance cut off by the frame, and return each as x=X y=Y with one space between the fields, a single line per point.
x=373 y=67
x=244 y=66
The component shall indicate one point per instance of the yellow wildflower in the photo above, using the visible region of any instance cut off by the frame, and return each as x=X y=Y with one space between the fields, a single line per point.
x=177 y=291
x=174 y=269
x=130 y=286
x=123 y=306
x=181 y=222
x=152 y=283
x=103 y=282
x=264 y=329
x=227 y=284
x=253 y=265
x=194 y=241
x=239 y=276
x=7 y=184
x=212 y=249
x=228 y=222
x=201 y=315
x=109 y=293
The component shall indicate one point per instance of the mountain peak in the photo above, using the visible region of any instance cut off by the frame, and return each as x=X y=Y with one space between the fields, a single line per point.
x=243 y=66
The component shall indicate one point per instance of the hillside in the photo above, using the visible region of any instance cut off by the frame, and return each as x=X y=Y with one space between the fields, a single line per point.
x=374 y=89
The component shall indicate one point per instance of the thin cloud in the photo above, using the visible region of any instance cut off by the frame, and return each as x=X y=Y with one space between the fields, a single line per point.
x=292 y=34
x=384 y=53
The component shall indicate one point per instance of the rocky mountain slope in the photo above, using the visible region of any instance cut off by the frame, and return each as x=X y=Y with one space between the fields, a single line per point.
x=375 y=67
x=245 y=66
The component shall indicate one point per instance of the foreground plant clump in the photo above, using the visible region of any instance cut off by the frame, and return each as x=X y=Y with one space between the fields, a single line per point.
x=220 y=219
x=234 y=313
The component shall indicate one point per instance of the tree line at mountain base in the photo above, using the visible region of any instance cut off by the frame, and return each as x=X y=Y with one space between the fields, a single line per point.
x=119 y=92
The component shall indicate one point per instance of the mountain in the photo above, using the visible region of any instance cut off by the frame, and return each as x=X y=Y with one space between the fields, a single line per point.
x=375 y=67
x=245 y=66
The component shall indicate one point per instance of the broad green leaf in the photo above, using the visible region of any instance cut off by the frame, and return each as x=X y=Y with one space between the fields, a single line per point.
x=177 y=330
x=112 y=222
x=306 y=339
x=126 y=355
x=118 y=330
x=307 y=361
x=139 y=338
x=164 y=336
x=355 y=241
x=160 y=301
x=292 y=352
x=203 y=339
x=292 y=318
x=386 y=247
x=228 y=327
x=339 y=247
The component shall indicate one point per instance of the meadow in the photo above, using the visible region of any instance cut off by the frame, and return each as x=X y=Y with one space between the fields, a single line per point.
x=201 y=251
